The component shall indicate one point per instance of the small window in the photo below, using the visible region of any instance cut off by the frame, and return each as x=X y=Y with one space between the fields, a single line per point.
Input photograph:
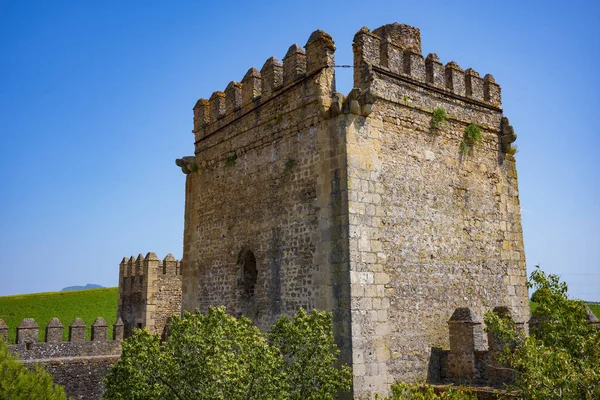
x=139 y=325
x=250 y=273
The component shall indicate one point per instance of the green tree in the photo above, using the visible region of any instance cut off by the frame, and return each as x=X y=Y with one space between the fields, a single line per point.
x=310 y=356
x=407 y=391
x=217 y=356
x=560 y=359
x=17 y=382
x=212 y=356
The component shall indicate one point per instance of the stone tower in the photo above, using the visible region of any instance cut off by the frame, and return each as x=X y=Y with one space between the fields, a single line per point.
x=149 y=292
x=364 y=205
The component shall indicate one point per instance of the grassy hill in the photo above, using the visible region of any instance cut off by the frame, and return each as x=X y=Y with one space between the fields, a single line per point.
x=66 y=306
x=595 y=309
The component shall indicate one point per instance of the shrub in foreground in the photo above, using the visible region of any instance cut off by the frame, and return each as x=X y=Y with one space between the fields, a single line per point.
x=560 y=359
x=218 y=356
x=17 y=382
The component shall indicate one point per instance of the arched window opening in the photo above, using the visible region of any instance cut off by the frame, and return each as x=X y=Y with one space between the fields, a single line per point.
x=250 y=273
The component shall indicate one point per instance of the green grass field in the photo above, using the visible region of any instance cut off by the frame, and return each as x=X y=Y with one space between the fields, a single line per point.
x=66 y=306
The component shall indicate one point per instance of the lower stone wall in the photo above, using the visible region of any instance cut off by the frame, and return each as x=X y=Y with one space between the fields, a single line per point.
x=82 y=377
x=78 y=365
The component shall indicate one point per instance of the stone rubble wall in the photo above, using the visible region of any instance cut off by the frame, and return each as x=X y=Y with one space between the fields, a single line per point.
x=265 y=184
x=431 y=228
x=79 y=365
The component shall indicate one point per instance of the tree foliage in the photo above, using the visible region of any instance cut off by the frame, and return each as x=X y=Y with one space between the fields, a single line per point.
x=217 y=356
x=560 y=359
x=406 y=391
x=17 y=382
x=309 y=356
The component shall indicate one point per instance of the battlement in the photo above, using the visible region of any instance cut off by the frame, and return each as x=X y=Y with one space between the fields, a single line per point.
x=395 y=49
x=149 y=291
x=29 y=347
x=133 y=271
x=260 y=87
x=77 y=364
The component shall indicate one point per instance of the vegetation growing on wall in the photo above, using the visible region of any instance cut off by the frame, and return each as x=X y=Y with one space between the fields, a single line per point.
x=230 y=160
x=438 y=118
x=289 y=164
x=471 y=138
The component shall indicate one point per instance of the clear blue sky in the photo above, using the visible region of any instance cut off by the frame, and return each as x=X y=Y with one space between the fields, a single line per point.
x=96 y=103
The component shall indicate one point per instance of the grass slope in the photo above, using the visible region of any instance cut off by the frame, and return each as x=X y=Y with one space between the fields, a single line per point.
x=66 y=306
x=595 y=309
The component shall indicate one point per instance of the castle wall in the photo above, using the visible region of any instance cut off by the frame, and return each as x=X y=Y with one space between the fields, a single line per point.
x=298 y=196
x=78 y=365
x=432 y=228
x=149 y=292
x=264 y=191
x=82 y=378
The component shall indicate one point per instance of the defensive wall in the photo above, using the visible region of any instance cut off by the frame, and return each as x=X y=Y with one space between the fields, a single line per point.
x=299 y=196
x=77 y=364
x=149 y=292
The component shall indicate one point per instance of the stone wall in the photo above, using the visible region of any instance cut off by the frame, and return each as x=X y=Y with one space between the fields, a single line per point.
x=264 y=194
x=432 y=227
x=298 y=196
x=78 y=365
x=149 y=292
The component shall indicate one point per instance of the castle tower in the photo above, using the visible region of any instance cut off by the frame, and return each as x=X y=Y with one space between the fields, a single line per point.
x=390 y=207
x=149 y=293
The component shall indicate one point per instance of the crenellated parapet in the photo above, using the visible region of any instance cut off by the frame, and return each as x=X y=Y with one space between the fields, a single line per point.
x=149 y=291
x=469 y=358
x=77 y=364
x=28 y=346
x=395 y=49
x=134 y=271
x=260 y=87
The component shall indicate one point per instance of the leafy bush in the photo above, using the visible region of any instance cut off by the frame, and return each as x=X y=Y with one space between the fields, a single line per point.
x=309 y=356
x=561 y=356
x=17 y=382
x=217 y=356
x=405 y=391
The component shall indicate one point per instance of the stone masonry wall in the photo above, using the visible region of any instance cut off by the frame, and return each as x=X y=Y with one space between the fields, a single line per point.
x=299 y=196
x=264 y=195
x=432 y=228
x=149 y=292
x=78 y=365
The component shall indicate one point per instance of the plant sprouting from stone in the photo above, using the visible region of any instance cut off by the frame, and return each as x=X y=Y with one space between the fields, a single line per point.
x=289 y=164
x=230 y=161
x=438 y=118
x=471 y=137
